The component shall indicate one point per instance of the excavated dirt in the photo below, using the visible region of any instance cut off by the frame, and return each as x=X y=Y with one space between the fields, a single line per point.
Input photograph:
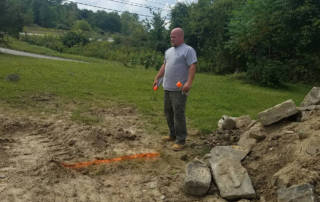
x=289 y=155
x=32 y=148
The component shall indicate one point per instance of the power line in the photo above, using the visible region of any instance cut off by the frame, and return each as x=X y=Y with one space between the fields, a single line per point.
x=110 y=9
x=138 y=4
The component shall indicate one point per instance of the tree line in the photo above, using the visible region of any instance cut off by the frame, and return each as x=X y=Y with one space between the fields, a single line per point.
x=272 y=41
x=269 y=42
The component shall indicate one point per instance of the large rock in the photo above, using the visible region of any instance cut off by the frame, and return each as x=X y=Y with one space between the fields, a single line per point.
x=198 y=178
x=297 y=193
x=231 y=178
x=278 y=112
x=312 y=98
x=227 y=123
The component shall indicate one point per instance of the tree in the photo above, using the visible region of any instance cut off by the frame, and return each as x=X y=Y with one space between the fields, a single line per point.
x=81 y=25
x=158 y=33
x=282 y=33
x=109 y=22
x=11 y=20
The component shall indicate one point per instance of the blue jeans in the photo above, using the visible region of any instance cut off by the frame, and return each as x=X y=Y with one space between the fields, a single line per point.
x=174 y=109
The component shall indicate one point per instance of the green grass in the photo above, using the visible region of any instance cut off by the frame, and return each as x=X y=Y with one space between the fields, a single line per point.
x=24 y=46
x=104 y=83
x=41 y=30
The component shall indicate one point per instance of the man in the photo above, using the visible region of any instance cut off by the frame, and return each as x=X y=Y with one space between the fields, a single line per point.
x=179 y=66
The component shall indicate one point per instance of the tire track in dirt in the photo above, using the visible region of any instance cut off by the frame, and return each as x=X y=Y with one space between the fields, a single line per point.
x=33 y=148
x=30 y=168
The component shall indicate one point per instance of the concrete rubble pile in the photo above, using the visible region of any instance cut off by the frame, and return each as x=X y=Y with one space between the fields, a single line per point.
x=222 y=167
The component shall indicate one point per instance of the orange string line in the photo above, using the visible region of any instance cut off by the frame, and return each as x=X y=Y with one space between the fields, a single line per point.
x=105 y=161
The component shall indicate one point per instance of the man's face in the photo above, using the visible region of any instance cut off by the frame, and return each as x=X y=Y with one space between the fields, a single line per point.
x=176 y=38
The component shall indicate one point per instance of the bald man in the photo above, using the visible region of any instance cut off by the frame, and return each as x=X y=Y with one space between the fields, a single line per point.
x=179 y=66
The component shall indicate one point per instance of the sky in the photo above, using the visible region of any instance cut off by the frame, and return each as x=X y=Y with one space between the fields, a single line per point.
x=133 y=6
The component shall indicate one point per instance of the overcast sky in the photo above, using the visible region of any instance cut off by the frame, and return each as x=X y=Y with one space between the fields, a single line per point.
x=133 y=6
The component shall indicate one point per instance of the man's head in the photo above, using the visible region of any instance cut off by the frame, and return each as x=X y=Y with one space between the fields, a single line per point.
x=177 y=37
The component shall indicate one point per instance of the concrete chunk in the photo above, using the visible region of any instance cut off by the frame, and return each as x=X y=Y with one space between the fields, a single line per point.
x=231 y=178
x=312 y=98
x=234 y=152
x=277 y=113
x=198 y=178
x=297 y=193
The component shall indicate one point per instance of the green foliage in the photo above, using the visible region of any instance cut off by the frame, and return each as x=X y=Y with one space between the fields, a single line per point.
x=159 y=36
x=82 y=26
x=73 y=38
x=49 y=41
x=277 y=31
x=267 y=72
x=11 y=20
x=180 y=15
x=108 y=22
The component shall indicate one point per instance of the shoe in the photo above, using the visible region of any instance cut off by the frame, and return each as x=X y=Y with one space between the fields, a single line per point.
x=167 y=139
x=177 y=147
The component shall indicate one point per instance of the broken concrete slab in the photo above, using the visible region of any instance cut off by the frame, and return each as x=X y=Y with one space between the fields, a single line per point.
x=246 y=142
x=297 y=193
x=312 y=98
x=309 y=108
x=231 y=178
x=278 y=112
x=234 y=152
x=198 y=178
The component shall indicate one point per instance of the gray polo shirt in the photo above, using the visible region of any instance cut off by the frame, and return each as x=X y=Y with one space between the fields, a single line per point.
x=177 y=62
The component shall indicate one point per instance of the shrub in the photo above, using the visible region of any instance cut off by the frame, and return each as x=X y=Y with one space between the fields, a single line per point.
x=74 y=38
x=267 y=72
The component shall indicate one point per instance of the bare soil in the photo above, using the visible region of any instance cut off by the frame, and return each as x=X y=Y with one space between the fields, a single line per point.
x=33 y=146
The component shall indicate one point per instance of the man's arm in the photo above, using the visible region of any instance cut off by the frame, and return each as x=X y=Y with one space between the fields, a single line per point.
x=159 y=75
x=192 y=72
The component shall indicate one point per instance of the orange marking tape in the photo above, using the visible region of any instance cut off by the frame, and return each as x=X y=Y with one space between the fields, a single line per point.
x=105 y=161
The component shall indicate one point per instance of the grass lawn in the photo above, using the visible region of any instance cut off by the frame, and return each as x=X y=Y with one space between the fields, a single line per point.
x=101 y=83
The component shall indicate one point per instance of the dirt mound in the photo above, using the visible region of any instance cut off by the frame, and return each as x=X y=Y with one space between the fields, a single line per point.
x=289 y=155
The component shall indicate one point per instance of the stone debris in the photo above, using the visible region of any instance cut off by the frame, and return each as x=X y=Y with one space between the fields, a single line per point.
x=312 y=98
x=297 y=193
x=278 y=112
x=230 y=179
x=198 y=178
x=257 y=132
x=227 y=123
x=243 y=121
x=234 y=152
